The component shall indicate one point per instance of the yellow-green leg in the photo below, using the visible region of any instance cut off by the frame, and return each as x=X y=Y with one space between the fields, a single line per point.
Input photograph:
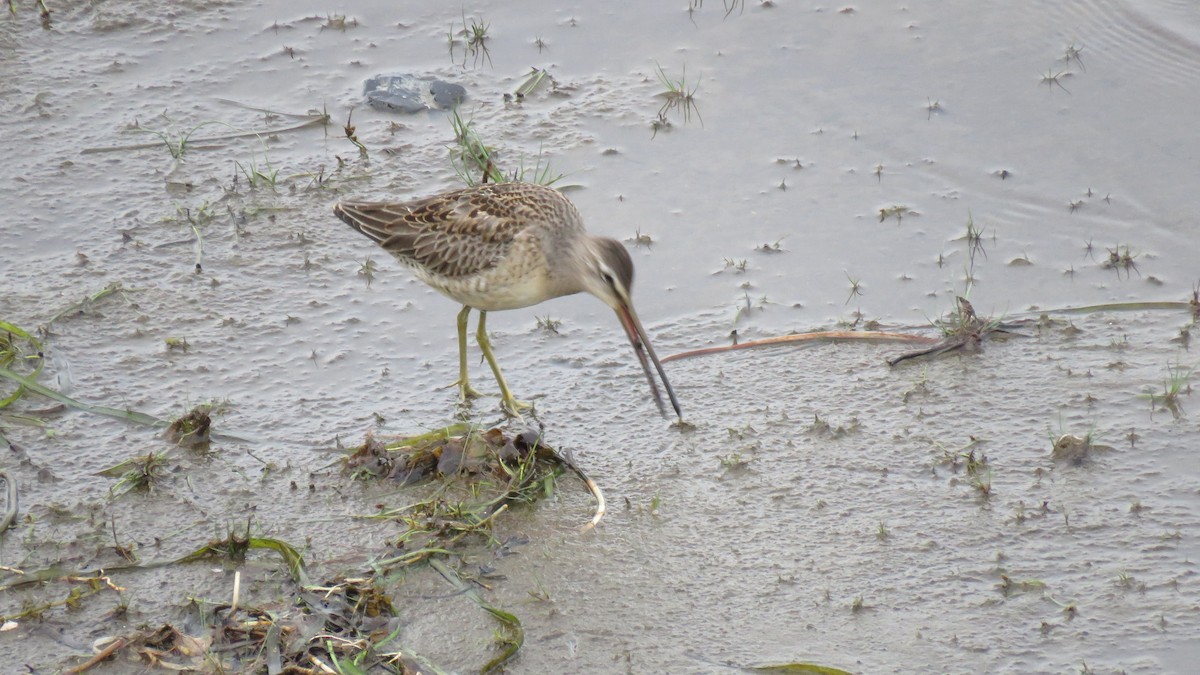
x=465 y=390
x=511 y=405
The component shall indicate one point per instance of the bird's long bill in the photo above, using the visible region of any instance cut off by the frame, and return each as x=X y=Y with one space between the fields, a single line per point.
x=641 y=345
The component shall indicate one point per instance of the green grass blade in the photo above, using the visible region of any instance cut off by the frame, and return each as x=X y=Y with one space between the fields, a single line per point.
x=11 y=352
x=9 y=328
x=234 y=548
x=516 y=636
x=37 y=388
x=290 y=555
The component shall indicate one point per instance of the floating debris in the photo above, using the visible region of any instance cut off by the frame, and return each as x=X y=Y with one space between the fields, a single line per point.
x=1073 y=449
x=191 y=430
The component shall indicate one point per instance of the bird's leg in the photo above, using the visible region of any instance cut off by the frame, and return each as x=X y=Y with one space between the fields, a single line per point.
x=511 y=405
x=465 y=390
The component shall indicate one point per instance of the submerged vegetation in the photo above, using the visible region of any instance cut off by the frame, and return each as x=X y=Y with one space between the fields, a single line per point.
x=471 y=478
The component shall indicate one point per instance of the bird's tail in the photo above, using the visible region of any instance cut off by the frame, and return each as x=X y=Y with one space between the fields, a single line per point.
x=364 y=217
x=343 y=212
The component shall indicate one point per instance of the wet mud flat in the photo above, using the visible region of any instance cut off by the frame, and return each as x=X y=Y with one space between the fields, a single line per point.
x=199 y=349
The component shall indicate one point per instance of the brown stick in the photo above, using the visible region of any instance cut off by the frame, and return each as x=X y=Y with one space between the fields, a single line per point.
x=832 y=336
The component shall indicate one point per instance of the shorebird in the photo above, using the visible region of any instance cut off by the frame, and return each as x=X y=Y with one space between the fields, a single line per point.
x=504 y=246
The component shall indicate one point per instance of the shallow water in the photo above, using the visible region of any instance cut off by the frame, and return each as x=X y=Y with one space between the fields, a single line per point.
x=862 y=548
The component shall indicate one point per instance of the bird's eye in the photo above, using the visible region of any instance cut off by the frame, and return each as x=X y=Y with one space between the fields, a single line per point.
x=608 y=278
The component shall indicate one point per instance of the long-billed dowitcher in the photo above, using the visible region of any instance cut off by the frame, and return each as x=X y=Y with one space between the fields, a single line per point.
x=504 y=246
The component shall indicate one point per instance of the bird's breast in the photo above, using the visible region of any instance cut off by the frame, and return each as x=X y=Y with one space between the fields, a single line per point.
x=515 y=281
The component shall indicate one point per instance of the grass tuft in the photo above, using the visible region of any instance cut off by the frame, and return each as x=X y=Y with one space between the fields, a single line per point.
x=679 y=96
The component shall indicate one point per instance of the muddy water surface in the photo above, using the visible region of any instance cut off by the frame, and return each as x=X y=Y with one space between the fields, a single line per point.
x=820 y=509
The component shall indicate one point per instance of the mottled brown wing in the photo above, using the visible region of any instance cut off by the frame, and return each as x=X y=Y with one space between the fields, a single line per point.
x=453 y=234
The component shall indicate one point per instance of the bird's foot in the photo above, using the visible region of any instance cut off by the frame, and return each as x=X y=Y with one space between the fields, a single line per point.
x=513 y=408
x=465 y=391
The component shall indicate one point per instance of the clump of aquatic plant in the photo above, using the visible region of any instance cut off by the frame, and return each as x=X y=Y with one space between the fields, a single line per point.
x=1177 y=384
x=678 y=95
x=471 y=157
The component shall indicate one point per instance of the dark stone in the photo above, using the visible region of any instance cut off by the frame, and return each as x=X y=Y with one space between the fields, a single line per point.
x=411 y=94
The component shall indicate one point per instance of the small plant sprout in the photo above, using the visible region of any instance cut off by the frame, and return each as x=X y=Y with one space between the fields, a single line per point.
x=932 y=107
x=539 y=173
x=776 y=247
x=735 y=460
x=659 y=123
x=974 y=239
x=1177 y=384
x=678 y=95
x=366 y=270
x=476 y=35
x=1051 y=78
x=1019 y=512
x=640 y=239
x=856 y=288
x=746 y=306
x=1122 y=259
x=979 y=472
x=259 y=175
x=176 y=142
x=1089 y=251
x=139 y=473
x=547 y=324
x=897 y=211
x=541 y=594
x=738 y=266
x=1073 y=52
x=338 y=22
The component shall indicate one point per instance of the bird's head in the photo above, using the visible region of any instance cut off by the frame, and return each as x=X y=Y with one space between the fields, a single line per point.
x=609 y=276
x=610 y=272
